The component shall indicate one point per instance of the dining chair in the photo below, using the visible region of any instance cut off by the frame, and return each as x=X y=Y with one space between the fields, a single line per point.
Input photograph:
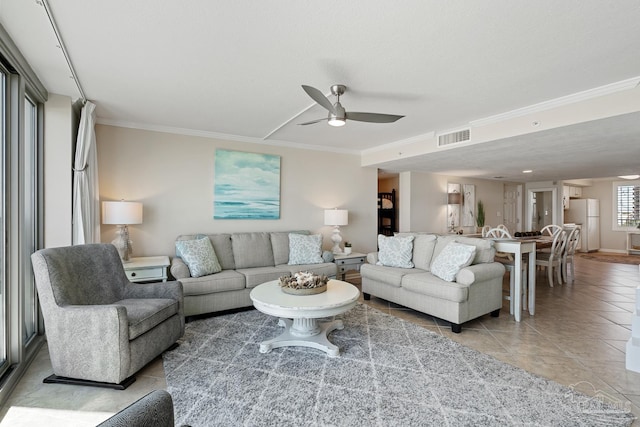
x=485 y=230
x=502 y=227
x=573 y=239
x=553 y=258
x=550 y=230
x=509 y=263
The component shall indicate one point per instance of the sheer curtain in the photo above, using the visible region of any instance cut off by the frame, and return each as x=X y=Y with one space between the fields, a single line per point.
x=86 y=197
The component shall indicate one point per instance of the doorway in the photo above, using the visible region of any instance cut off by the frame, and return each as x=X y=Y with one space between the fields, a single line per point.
x=512 y=209
x=541 y=208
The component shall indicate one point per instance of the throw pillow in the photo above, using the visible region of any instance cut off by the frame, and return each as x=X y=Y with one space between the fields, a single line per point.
x=199 y=256
x=305 y=249
x=451 y=259
x=395 y=251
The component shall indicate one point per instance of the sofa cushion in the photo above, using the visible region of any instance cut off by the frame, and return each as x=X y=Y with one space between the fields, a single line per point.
x=329 y=269
x=145 y=314
x=485 y=252
x=252 y=250
x=199 y=255
x=226 y=280
x=388 y=275
x=428 y=284
x=280 y=245
x=395 y=251
x=423 y=246
x=305 y=249
x=259 y=275
x=222 y=245
x=452 y=258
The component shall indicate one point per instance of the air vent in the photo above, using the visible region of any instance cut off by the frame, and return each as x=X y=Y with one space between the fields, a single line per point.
x=453 y=137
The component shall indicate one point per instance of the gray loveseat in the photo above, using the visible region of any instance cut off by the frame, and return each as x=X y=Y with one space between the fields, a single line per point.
x=247 y=260
x=475 y=291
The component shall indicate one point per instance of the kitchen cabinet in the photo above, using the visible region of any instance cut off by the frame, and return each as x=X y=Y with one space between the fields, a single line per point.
x=570 y=192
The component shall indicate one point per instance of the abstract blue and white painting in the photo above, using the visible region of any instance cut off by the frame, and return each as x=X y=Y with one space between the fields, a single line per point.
x=246 y=185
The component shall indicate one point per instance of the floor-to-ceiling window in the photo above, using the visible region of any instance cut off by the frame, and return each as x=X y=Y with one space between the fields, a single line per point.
x=22 y=99
x=29 y=227
x=3 y=292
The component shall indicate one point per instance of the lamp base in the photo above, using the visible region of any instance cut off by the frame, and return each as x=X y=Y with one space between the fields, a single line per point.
x=336 y=238
x=122 y=243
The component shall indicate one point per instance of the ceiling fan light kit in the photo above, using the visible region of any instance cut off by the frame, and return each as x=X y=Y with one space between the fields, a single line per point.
x=337 y=115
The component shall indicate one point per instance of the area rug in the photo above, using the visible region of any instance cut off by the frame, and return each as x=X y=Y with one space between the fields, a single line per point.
x=389 y=373
x=610 y=257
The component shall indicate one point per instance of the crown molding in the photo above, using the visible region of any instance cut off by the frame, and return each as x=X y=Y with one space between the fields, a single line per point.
x=558 y=102
x=221 y=136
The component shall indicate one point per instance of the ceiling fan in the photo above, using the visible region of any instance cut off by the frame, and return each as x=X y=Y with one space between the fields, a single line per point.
x=337 y=114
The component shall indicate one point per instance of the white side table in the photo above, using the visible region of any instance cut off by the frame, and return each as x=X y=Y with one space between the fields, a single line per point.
x=147 y=269
x=353 y=261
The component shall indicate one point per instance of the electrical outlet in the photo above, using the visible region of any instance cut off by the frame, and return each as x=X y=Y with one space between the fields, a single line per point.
x=499 y=214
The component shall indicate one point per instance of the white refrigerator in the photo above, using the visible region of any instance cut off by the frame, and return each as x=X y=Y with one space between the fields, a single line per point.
x=586 y=213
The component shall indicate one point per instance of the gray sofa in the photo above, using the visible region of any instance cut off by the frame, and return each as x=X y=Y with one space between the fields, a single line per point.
x=476 y=290
x=247 y=260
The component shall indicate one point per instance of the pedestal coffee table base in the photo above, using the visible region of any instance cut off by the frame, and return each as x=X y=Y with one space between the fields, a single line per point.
x=305 y=333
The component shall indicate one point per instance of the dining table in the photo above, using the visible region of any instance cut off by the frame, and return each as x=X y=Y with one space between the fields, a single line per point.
x=519 y=247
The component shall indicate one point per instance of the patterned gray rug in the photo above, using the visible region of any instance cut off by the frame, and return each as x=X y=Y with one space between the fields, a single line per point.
x=390 y=373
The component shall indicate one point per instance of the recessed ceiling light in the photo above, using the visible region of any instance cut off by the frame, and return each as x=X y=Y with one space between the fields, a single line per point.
x=629 y=176
x=527 y=171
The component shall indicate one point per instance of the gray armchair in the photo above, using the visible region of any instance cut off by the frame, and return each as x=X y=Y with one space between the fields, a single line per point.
x=101 y=329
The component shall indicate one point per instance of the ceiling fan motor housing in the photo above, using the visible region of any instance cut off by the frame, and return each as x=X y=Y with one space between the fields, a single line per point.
x=338 y=90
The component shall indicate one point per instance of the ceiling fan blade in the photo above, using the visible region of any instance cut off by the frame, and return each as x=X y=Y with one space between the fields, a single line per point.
x=313 y=121
x=373 y=117
x=319 y=97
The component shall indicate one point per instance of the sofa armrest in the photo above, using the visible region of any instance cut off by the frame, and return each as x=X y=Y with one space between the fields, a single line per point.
x=179 y=269
x=372 y=258
x=480 y=272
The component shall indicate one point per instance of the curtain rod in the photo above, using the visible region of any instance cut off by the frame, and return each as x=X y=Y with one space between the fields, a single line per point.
x=63 y=48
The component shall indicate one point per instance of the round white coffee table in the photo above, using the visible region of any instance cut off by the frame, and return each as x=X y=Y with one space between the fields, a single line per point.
x=305 y=330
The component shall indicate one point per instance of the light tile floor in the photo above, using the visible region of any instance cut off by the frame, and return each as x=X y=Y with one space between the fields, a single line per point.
x=577 y=338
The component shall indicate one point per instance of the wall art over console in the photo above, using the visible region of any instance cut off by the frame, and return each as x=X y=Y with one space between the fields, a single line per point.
x=246 y=185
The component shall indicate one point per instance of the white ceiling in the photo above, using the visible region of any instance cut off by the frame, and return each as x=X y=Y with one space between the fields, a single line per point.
x=234 y=69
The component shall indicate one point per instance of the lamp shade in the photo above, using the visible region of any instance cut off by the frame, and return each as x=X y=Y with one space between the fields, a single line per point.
x=336 y=217
x=454 y=198
x=121 y=212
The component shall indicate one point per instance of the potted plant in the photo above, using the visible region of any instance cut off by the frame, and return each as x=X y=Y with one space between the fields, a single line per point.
x=480 y=215
x=347 y=248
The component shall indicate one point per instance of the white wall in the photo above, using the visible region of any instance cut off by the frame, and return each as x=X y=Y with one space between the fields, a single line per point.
x=173 y=176
x=602 y=190
x=424 y=197
x=58 y=177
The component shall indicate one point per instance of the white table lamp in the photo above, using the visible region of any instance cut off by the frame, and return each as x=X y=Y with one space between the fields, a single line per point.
x=122 y=214
x=336 y=218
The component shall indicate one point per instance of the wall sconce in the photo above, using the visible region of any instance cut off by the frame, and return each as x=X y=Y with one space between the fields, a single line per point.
x=336 y=218
x=122 y=214
x=454 y=200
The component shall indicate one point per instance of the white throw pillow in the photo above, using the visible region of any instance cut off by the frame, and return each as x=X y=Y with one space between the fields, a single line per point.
x=451 y=259
x=199 y=256
x=395 y=251
x=305 y=249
